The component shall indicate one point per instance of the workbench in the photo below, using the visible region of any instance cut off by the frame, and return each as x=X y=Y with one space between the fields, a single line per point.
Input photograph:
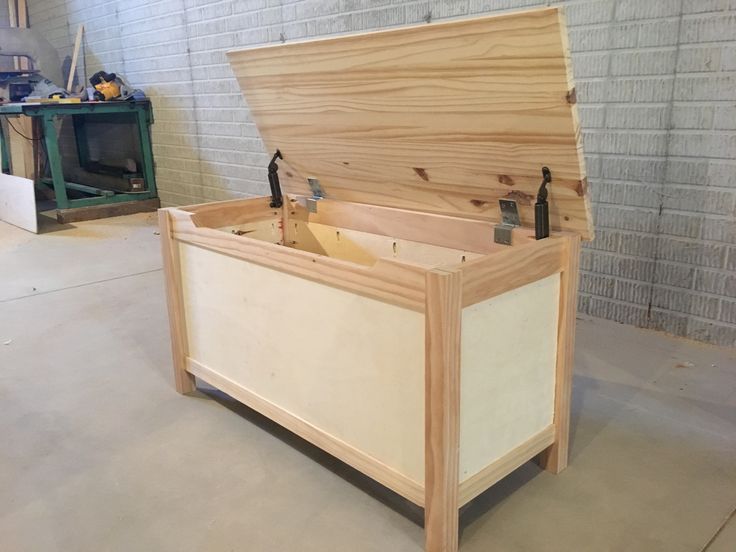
x=96 y=202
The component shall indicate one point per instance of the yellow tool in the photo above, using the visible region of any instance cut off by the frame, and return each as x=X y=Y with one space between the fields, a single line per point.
x=107 y=86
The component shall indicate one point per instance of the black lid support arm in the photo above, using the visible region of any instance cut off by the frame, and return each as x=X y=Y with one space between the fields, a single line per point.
x=541 y=207
x=277 y=199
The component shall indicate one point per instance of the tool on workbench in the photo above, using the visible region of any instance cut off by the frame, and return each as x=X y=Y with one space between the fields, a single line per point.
x=108 y=86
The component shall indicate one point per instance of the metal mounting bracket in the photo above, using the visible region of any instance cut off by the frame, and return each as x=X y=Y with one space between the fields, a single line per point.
x=502 y=233
x=317 y=194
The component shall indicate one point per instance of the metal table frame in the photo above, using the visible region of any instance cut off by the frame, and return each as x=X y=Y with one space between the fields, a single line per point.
x=79 y=112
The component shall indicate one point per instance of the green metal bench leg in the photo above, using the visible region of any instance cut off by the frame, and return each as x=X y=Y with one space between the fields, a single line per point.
x=57 y=172
x=80 y=136
x=146 y=152
x=4 y=153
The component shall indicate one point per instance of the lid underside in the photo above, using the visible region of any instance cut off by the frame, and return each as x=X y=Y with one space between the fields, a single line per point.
x=445 y=118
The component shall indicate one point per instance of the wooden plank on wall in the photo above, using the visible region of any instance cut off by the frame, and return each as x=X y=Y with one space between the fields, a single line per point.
x=21 y=145
x=75 y=56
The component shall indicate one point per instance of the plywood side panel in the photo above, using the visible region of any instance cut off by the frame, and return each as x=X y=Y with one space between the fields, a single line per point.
x=348 y=454
x=508 y=352
x=18 y=202
x=349 y=365
x=443 y=118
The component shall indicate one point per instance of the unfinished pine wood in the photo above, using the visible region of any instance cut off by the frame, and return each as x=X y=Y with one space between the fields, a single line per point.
x=366 y=248
x=554 y=459
x=508 y=351
x=13 y=20
x=270 y=231
x=18 y=17
x=395 y=282
x=183 y=380
x=418 y=226
x=511 y=268
x=494 y=472
x=324 y=355
x=444 y=118
x=21 y=135
x=315 y=435
x=75 y=56
x=232 y=212
x=18 y=202
x=442 y=410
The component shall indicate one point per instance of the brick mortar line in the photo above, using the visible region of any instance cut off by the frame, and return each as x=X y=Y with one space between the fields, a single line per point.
x=715 y=321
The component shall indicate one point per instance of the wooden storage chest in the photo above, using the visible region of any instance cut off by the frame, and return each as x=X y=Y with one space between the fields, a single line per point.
x=370 y=310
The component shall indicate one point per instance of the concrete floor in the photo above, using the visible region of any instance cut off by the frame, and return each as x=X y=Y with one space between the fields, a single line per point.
x=100 y=454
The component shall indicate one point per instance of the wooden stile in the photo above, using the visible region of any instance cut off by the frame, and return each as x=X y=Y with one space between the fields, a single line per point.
x=442 y=410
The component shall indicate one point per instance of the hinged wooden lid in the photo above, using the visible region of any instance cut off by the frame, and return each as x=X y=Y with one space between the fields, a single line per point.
x=445 y=118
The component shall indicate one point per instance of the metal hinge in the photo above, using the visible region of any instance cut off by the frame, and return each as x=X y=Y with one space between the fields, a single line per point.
x=277 y=199
x=502 y=232
x=317 y=194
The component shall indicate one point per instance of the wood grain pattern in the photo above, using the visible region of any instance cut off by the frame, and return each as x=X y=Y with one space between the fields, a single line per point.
x=444 y=118
x=399 y=283
x=337 y=448
x=554 y=459
x=366 y=248
x=442 y=410
x=22 y=151
x=75 y=56
x=493 y=473
x=446 y=231
x=184 y=381
x=511 y=268
x=232 y=212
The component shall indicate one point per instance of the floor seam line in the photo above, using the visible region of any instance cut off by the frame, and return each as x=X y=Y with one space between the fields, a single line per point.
x=720 y=529
x=81 y=285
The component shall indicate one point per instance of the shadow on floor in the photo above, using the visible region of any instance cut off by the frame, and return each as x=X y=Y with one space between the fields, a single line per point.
x=478 y=507
x=369 y=486
x=48 y=224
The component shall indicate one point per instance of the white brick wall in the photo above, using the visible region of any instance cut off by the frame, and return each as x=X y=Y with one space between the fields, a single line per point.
x=657 y=93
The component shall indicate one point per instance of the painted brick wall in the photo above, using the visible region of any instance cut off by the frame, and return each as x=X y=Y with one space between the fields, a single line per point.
x=657 y=93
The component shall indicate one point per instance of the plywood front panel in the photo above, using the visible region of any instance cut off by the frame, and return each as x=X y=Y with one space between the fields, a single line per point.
x=508 y=352
x=346 y=364
x=445 y=118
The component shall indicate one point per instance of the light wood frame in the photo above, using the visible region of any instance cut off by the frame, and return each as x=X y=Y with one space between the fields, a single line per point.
x=439 y=292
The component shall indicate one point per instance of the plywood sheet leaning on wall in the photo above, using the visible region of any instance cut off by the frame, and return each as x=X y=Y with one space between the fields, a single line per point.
x=22 y=136
x=18 y=202
x=444 y=118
